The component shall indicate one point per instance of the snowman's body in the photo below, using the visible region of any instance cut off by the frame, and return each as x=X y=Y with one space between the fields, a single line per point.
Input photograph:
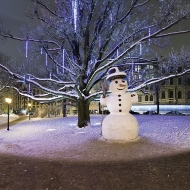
x=122 y=103
x=119 y=125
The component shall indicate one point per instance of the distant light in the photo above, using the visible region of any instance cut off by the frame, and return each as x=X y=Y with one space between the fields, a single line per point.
x=8 y=100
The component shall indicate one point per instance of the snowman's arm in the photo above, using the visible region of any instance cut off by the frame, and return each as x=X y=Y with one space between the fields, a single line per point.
x=103 y=101
x=134 y=97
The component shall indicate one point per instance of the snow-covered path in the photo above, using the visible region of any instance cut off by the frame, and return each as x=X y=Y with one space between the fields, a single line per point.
x=61 y=139
x=4 y=118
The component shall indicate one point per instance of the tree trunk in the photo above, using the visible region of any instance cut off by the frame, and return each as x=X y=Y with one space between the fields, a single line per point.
x=83 y=113
x=157 y=101
x=64 y=108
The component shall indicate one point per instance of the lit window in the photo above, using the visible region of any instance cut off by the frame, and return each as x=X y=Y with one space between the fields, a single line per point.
x=149 y=67
x=137 y=68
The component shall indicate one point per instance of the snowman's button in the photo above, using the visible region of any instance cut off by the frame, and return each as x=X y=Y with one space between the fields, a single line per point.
x=119 y=99
x=120 y=110
x=119 y=95
x=119 y=104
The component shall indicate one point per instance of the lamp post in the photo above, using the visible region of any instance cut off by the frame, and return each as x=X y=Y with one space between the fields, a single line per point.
x=29 y=105
x=8 y=100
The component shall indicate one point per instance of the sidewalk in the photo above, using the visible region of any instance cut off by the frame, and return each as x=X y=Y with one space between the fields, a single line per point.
x=4 y=118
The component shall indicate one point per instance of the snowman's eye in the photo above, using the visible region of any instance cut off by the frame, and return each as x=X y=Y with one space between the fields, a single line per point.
x=123 y=81
x=116 y=81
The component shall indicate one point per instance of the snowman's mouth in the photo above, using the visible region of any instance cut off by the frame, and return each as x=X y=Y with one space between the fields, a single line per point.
x=120 y=88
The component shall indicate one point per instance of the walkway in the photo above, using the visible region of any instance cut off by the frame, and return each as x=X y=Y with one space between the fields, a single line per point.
x=12 y=123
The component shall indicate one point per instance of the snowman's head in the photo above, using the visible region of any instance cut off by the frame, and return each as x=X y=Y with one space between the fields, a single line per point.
x=118 y=85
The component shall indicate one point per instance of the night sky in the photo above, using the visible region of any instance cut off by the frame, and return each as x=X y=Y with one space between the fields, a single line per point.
x=12 y=14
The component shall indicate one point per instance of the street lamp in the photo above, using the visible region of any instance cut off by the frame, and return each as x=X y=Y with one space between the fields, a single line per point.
x=29 y=105
x=8 y=100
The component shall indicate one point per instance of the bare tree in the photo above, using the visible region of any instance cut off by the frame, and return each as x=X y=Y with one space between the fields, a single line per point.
x=6 y=80
x=81 y=39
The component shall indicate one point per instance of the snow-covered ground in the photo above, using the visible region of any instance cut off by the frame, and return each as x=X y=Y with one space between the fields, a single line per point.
x=4 y=118
x=61 y=139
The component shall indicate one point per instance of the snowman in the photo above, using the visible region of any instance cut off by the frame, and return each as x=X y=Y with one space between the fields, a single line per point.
x=119 y=125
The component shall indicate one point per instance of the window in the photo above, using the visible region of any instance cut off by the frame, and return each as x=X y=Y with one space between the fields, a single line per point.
x=146 y=89
x=171 y=81
x=149 y=67
x=151 y=97
x=179 y=94
x=188 y=81
x=137 y=68
x=171 y=94
x=163 y=95
x=135 y=77
x=179 y=69
x=34 y=91
x=151 y=88
x=171 y=70
x=163 y=83
x=139 y=98
x=179 y=81
x=188 y=95
x=146 y=97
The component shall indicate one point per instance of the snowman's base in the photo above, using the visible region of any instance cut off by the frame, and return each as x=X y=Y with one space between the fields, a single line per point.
x=120 y=127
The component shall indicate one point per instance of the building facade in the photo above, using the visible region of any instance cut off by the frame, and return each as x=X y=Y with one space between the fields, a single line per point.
x=174 y=91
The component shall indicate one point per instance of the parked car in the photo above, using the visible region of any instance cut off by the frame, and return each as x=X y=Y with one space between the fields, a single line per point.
x=105 y=112
x=150 y=113
x=133 y=112
x=174 y=113
x=93 y=111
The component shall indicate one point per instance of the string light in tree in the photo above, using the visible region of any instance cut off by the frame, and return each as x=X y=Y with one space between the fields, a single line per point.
x=132 y=67
x=149 y=36
x=63 y=59
x=74 y=7
x=46 y=59
x=29 y=87
x=41 y=50
x=99 y=41
x=117 y=52
x=140 y=45
x=26 y=48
